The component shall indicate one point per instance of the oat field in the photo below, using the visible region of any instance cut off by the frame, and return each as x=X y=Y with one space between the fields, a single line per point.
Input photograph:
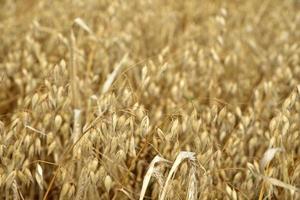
x=149 y=99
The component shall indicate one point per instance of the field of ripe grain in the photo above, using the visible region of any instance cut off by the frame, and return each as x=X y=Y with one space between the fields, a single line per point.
x=149 y=99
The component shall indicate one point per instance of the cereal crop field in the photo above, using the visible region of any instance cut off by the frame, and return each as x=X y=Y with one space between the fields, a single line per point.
x=149 y=99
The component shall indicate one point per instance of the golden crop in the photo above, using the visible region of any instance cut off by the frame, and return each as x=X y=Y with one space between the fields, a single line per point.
x=149 y=99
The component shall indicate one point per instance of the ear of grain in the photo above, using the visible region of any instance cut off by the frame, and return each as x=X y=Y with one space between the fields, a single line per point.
x=193 y=184
x=149 y=174
x=179 y=159
x=39 y=176
x=268 y=157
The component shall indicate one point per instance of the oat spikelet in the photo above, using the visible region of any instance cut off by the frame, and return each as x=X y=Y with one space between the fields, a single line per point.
x=183 y=155
x=193 y=184
x=268 y=157
x=39 y=176
x=149 y=174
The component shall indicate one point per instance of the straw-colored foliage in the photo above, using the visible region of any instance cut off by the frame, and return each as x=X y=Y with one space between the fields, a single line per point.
x=149 y=99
